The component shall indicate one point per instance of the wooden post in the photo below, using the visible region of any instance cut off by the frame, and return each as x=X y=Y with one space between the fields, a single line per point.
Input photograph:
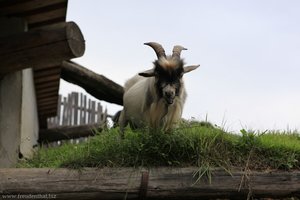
x=99 y=113
x=41 y=48
x=65 y=112
x=93 y=112
x=59 y=114
x=156 y=183
x=75 y=108
x=95 y=84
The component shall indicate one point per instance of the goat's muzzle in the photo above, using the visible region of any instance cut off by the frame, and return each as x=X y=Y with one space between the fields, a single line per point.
x=169 y=94
x=169 y=101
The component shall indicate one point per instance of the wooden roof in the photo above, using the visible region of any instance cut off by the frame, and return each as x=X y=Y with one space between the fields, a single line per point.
x=40 y=13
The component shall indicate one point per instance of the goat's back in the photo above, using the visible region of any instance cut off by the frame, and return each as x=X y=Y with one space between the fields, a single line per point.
x=134 y=100
x=129 y=83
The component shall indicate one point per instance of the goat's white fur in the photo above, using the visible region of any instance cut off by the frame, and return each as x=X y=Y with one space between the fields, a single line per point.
x=157 y=114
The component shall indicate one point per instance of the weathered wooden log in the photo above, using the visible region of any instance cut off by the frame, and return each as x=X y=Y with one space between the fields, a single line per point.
x=95 y=84
x=41 y=48
x=66 y=133
x=158 y=183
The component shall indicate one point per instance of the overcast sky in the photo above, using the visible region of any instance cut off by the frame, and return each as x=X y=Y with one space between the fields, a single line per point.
x=249 y=52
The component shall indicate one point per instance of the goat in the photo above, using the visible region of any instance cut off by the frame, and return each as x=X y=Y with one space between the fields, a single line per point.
x=155 y=98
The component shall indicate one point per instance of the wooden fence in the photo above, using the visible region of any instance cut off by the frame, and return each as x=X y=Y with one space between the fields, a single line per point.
x=77 y=109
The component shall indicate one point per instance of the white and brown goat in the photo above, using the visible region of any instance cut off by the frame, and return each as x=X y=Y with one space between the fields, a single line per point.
x=155 y=98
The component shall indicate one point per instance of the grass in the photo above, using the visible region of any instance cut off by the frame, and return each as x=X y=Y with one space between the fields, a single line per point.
x=192 y=144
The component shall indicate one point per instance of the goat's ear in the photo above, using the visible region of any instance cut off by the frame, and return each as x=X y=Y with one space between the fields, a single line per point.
x=147 y=73
x=190 y=68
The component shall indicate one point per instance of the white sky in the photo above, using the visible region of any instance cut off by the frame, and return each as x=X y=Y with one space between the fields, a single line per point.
x=249 y=52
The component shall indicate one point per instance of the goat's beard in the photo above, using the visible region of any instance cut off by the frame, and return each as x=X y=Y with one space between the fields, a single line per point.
x=169 y=100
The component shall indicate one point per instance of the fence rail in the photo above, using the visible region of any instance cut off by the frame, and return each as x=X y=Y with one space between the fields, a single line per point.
x=76 y=109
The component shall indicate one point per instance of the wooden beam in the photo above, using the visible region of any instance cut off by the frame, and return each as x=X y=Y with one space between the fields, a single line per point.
x=45 y=24
x=46 y=72
x=96 y=85
x=46 y=16
x=66 y=133
x=48 y=103
x=41 y=48
x=48 y=94
x=48 y=99
x=156 y=183
x=46 y=107
x=44 y=91
x=42 y=86
x=50 y=67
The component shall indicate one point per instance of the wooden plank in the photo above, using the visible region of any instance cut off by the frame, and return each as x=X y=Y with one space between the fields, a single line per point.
x=93 y=112
x=65 y=112
x=59 y=110
x=47 y=90
x=47 y=99
x=105 y=115
x=76 y=108
x=47 y=94
x=45 y=24
x=48 y=103
x=47 y=79
x=46 y=72
x=69 y=106
x=47 y=67
x=52 y=101
x=47 y=86
x=46 y=16
x=39 y=70
x=85 y=110
x=42 y=86
x=81 y=109
x=158 y=183
x=99 y=113
x=30 y=7
x=72 y=108
x=57 y=117
x=66 y=133
x=89 y=112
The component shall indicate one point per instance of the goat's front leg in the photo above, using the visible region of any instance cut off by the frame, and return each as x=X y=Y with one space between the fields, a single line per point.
x=122 y=123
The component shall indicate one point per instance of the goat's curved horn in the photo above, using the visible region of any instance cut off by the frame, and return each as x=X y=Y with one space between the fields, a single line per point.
x=177 y=51
x=159 y=50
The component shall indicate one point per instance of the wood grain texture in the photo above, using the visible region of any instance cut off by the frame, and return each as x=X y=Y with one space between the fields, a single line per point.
x=41 y=48
x=67 y=133
x=164 y=183
x=95 y=84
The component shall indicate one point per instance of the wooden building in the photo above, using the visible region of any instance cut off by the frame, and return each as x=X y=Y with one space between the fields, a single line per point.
x=34 y=40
